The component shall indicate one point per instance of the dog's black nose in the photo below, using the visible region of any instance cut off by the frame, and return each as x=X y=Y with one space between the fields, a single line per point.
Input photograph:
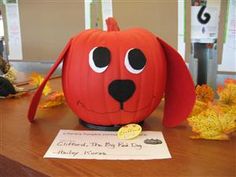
x=121 y=90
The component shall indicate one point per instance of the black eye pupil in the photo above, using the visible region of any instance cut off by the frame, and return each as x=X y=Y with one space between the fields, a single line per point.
x=101 y=57
x=136 y=59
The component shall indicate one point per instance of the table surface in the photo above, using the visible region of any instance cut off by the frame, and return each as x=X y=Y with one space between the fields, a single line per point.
x=25 y=144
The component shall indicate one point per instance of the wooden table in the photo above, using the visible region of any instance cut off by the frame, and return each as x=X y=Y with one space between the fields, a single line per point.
x=22 y=146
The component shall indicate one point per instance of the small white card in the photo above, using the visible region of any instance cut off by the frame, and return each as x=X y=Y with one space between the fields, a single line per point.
x=72 y=144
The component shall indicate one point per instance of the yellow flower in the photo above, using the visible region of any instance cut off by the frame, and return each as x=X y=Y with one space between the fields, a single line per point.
x=198 y=108
x=36 y=80
x=214 y=120
x=214 y=123
x=227 y=94
x=55 y=99
x=228 y=119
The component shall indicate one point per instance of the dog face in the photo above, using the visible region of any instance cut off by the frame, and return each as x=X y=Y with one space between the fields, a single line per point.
x=118 y=77
x=114 y=77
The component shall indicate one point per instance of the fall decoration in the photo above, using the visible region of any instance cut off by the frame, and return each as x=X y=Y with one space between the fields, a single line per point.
x=227 y=93
x=204 y=93
x=117 y=77
x=214 y=120
x=36 y=80
x=54 y=99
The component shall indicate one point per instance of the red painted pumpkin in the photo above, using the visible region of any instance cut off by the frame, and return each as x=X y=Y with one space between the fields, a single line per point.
x=118 y=77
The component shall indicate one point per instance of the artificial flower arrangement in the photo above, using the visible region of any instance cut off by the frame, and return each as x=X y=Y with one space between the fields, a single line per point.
x=214 y=119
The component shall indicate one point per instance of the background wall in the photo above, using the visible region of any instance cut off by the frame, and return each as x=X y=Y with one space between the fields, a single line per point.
x=46 y=26
x=158 y=16
x=229 y=47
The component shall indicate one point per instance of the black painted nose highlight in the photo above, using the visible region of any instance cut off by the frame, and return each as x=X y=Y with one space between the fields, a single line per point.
x=121 y=90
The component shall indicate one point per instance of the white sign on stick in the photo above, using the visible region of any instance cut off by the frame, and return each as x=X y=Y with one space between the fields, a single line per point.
x=204 y=24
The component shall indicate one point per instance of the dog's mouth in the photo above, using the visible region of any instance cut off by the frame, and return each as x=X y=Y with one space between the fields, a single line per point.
x=121 y=91
x=122 y=108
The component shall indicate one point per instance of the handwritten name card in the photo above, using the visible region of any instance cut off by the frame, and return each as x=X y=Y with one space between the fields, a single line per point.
x=72 y=144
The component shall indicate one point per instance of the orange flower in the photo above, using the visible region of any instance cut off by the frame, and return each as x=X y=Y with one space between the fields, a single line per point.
x=204 y=93
x=55 y=99
x=220 y=88
x=227 y=94
x=230 y=81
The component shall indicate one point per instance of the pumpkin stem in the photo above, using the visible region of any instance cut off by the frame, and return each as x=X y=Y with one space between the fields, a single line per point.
x=112 y=24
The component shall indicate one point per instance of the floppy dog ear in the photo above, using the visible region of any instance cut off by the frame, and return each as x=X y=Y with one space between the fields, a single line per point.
x=35 y=100
x=179 y=91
